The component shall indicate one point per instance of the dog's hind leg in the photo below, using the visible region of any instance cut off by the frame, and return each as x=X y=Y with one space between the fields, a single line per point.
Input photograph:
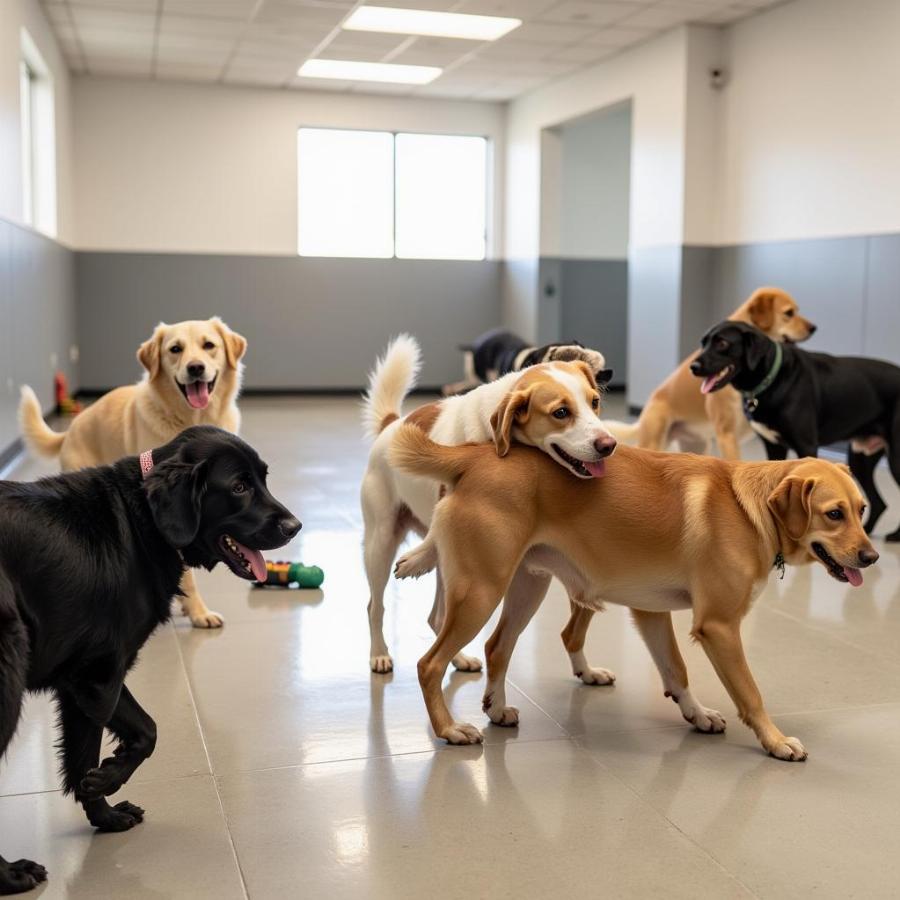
x=462 y=662
x=192 y=604
x=136 y=732
x=525 y=594
x=862 y=466
x=23 y=874
x=573 y=638
x=659 y=636
x=80 y=753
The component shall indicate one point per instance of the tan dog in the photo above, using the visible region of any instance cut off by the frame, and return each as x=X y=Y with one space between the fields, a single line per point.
x=193 y=377
x=661 y=532
x=678 y=411
x=554 y=406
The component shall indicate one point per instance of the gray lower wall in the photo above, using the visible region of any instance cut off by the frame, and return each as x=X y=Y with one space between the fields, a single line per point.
x=586 y=300
x=37 y=320
x=310 y=323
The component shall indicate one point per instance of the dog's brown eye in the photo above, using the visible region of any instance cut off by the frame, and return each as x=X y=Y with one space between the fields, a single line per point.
x=835 y=515
x=789 y=313
x=209 y=345
x=239 y=487
x=177 y=348
x=561 y=413
x=721 y=344
x=595 y=403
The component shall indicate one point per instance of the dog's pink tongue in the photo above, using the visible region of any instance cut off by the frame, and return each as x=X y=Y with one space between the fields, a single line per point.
x=854 y=576
x=708 y=384
x=597 y=469
x=257 y=562
x=198 y=394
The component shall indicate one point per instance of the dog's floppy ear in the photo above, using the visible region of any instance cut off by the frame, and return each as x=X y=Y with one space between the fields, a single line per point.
x=514 y=408
x=756 y=345
x=235 y=344
x=604 y=377
x=175 y=490
x=762 y=309
x=150 y=352
x=790 y=504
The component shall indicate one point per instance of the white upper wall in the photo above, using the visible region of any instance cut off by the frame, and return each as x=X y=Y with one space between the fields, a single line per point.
x=187 y=168
x=15 y=15
x=596 y=155
x=811 y=122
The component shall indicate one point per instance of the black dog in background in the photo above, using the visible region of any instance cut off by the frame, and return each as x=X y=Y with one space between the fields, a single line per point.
x=498 y=352
x=809 y=400
x=89 y=564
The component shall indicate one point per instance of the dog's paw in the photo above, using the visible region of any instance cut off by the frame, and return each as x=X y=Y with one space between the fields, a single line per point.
x=102 y=781
x=463 y=663
x=414 y=565
x=462 y=733
x=508 y=717
x=596 y=676
x=789 y=749
x=381 y=664
x=121 y=817
x=709 y=721
x=21 y=875
x=207 y=619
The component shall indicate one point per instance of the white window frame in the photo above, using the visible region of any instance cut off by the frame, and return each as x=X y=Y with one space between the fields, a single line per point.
x=37 y=116
x=488 y=187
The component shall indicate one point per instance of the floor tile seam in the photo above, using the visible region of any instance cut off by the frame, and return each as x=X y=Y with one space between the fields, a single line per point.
x=224 y=817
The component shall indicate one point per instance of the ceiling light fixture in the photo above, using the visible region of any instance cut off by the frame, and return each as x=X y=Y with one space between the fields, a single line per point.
x=349 y=70
x=426 y=22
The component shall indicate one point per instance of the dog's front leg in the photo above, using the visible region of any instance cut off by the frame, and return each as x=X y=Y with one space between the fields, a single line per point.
x=721 y=639
x=80 y=752
x=194 y=608
x=136 y=732
x=659 y=636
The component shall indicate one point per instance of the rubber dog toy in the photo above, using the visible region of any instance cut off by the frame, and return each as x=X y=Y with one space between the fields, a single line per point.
x=284 y=574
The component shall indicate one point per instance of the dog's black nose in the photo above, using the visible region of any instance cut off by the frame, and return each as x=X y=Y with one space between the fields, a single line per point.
x=812 y=329
x=867 y=557
x=196 y=369
x=289 y=526
x=605 y=446
x=696 y=367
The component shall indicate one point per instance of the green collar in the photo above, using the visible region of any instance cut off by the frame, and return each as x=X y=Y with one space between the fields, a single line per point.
x=750 y=401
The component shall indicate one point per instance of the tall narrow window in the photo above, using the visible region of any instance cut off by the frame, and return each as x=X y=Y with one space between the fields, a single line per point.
x=37 y=124
x=377 y=194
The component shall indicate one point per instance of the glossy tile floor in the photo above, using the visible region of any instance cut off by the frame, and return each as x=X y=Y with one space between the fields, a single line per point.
x=285 y=769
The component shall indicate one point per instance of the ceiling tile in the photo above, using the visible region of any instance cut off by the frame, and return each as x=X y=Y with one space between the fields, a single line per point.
x=172 y=71
x=224 y=28
x=361 y=87
x=111 y=65
x=321 y=84
x=581 y=53
x=258 y=74
x=436 y=5
x=212 y=9
x=416 y=57
x=619 y=37
x=91 y=17
x=377 y=44
x=127 y=5
x=540 y=33
x=584 y=12
x=291 y=17
x=724 y=16
x=663 y=16
x=517 y=9
x=516 y=50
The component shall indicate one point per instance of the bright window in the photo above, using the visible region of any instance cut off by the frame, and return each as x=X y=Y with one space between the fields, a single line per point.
x=377 y=194
x=37 y=122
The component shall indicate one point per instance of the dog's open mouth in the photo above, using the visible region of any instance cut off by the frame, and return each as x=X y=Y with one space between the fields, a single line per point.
x=719 y=380
x=242 y=560
x=581 y=469
x=197 y=393
x=835 y=569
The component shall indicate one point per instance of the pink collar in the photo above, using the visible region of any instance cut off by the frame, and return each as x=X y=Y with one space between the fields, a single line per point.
x=146 y=459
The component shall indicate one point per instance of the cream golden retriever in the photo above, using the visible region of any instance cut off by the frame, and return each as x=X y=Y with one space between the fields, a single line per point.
x=660 y=532
x=193 y=376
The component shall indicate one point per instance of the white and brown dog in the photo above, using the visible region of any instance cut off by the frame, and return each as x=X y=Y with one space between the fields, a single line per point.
x=193 y=377
x=552 y=406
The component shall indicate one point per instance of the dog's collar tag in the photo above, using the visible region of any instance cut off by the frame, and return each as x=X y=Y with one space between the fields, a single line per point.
x=750 y=401
x=779 y=564
x=146 y=459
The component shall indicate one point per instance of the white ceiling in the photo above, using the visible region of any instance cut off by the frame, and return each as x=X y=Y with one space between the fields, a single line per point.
x=263 y=42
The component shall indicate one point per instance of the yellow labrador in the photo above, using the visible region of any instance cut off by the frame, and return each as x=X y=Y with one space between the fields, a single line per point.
x=193 y=376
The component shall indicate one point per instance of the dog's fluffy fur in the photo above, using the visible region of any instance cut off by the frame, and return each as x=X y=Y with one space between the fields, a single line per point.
x=518 y=407
x=130 y=419
x=677 y=412
x=661 y=532
x=89 y=563
x=815 y=399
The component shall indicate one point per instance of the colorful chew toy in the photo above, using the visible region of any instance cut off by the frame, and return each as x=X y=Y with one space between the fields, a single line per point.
x=66 y=405
x=284 y=574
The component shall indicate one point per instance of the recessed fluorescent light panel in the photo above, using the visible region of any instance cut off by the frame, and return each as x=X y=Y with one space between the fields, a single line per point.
x=349 y=70
x=433 y=24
